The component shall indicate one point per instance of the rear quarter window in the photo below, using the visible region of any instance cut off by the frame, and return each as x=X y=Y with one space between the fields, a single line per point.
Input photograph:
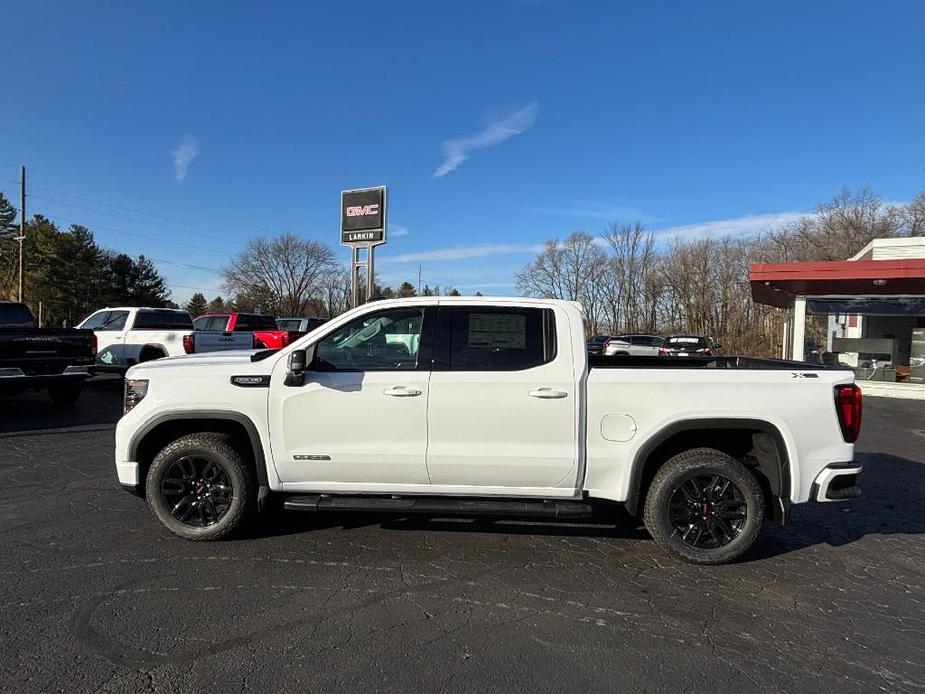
x=499 y=338
x=162 y=320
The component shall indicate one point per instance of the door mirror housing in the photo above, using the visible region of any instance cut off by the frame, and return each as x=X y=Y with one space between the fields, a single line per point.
x=299 y=362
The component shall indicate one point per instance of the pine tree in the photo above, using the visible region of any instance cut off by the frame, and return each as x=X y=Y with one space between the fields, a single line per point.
x=197 y=305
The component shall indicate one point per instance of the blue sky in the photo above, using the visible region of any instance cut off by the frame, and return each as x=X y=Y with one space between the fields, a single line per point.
x=496 y=125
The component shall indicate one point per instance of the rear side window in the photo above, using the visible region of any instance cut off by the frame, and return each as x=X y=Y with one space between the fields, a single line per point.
x=495 y=338
x=162 y=320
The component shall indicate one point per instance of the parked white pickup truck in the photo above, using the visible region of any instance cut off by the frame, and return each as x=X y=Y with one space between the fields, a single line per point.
x=461 y=406
x=130 y=335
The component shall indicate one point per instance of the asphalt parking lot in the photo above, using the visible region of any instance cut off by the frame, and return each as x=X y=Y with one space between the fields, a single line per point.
x=96 y=597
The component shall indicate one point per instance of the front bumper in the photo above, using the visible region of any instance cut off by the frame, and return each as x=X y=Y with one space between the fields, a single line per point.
x=837 y=482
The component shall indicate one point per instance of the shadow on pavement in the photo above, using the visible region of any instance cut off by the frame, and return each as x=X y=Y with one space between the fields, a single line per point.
x=892 y=503
x=100 y=403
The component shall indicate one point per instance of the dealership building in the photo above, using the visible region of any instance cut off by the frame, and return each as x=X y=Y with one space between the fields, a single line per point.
x=875 y=304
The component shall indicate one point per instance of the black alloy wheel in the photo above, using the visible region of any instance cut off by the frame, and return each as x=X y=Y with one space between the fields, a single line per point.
x=197 y=490
x=707 y=511
x=703 y=506
x=200 y=487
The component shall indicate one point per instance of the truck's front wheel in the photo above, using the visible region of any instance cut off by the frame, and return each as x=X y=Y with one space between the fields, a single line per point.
x=200 y=488
x=704 y=507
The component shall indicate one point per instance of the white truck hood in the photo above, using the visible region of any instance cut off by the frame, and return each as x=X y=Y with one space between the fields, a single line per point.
x=202 y=360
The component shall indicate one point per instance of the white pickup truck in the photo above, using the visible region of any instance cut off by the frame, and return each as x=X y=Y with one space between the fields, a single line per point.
x=462 y=406
x=128 y=335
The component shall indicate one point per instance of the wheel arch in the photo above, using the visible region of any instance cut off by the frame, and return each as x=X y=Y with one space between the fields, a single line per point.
x=150 y=347
x=758 y=443
x=161 y=430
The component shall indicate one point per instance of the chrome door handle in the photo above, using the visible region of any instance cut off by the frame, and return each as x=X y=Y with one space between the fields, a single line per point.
x=401 y=392
x=547 y=393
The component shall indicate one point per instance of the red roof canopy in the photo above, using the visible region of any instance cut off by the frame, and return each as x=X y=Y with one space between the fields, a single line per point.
x=776 y=284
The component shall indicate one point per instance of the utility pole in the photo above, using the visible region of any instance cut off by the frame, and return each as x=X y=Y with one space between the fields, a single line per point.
x=22 y=221
x=419 y=279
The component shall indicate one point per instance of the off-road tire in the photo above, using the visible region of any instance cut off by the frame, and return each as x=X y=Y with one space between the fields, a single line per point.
x=702 y=462
x=217 y=448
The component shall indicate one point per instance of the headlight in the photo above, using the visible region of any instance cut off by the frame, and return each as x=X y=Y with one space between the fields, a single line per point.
x=135 y=391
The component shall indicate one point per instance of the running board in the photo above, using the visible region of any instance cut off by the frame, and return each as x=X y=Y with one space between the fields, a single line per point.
x=515 y=508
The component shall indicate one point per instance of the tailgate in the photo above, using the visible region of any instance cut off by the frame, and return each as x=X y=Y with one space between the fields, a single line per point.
x=215 y=341
x=45 y=351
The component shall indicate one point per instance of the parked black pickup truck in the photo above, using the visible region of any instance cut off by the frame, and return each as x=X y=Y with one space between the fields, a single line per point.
x=54 y=359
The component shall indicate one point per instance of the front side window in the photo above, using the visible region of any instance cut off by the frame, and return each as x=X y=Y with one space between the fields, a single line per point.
x=115 y=320
x=500 y=339
x=95 y=320
x=382 y=341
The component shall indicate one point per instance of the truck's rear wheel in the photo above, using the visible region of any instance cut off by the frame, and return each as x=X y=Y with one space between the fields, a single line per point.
x=704 y=507
x=200 y=488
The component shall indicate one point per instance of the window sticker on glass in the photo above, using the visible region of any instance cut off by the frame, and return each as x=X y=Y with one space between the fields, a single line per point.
x=498 y=330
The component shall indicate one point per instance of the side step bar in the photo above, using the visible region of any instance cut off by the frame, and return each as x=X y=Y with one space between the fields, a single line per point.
x=514 y=508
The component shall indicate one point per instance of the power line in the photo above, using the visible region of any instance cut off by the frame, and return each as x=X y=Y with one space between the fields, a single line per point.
x=127 y=219
x=62 y=220
x=216 y=234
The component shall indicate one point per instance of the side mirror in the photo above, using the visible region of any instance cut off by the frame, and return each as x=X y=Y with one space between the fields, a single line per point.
x=299 y=361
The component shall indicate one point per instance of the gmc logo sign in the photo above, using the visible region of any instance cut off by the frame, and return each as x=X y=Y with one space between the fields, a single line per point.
x=362 y=210
x=363 y=216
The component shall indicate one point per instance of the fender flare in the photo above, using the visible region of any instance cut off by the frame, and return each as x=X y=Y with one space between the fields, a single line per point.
x=253 y=435
x=781 y=490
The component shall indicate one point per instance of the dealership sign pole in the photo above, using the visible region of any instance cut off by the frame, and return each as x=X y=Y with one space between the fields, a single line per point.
x=363 y=223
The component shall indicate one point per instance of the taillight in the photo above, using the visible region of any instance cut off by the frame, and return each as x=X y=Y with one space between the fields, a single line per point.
x=189 y=343
x=705 y=350
x=663 y=352
x=94 y=344
x=848 y=405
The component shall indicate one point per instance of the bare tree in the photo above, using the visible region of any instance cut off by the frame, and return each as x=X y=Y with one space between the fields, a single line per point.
x=572 y=270
x=281 y=275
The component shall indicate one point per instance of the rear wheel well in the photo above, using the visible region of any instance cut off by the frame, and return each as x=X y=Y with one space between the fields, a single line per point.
x=149 y=352
x=761 y=449
x=162 y=434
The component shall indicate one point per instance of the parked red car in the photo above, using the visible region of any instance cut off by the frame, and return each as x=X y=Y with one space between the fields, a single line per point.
x=267 y=334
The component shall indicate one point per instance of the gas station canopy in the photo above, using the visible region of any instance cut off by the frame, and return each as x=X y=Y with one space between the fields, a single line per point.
x=778 y=284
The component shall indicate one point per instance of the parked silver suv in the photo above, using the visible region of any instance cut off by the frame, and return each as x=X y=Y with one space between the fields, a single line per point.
x=634 y=345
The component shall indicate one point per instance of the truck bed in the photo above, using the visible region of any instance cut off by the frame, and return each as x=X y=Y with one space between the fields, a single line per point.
x=655 y=362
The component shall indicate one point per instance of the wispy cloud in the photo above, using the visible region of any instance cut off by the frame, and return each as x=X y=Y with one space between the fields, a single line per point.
x=597 y=210
x=747 y=225
x=456 y=150
x=397 y=230
x=183 y=156
x=462 y=252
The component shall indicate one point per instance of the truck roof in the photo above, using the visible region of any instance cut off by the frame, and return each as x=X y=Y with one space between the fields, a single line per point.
x=139 y=308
